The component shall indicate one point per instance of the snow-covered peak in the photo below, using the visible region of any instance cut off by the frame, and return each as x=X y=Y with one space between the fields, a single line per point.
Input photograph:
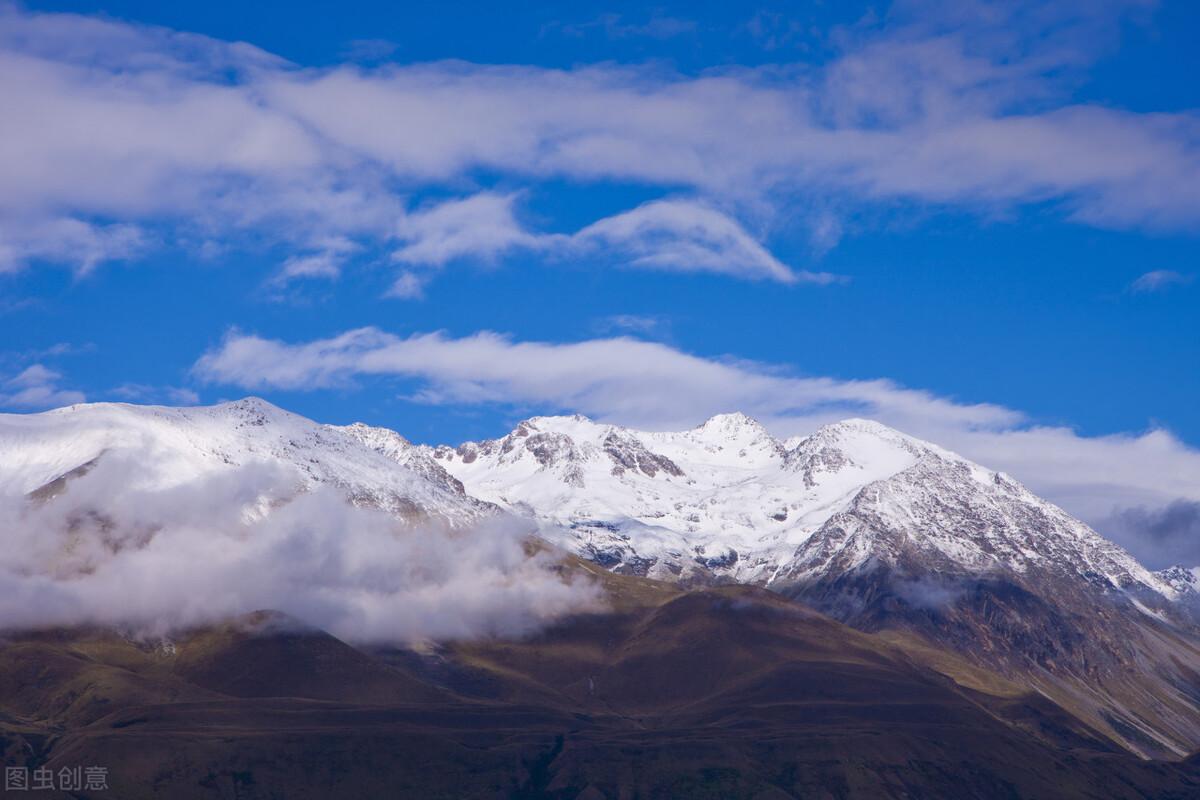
x=860 y=449
x=383 y=440
x=859 y=429
x=251 y=405
x=395 y=447
x=728 y=498
x=579 y=428
x=674 y=500
x=723 y=499
x=553 y=421
x=179 y=445
x=869 y=440
x=732 y=426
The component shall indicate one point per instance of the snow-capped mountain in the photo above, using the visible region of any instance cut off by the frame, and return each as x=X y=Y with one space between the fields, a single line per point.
x=723 y=500
x=879 y=530
x=876 y=528
x=179 y=445
x=727 y=499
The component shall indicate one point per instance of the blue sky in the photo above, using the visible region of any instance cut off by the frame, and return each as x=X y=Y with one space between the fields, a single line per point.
x=978 y=222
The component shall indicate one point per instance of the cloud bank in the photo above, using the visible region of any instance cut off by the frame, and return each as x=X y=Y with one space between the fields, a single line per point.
x=242 y=540
x=118 y=136
x=651 y=385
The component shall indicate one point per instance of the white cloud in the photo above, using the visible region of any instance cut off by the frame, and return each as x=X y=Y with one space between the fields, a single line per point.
x=1158 y=280
x=482 y=226
x=643 y=383
x=326 y=261
x=140 y=392
x=614 y=26
x=631 y=323
x=689 y=237
x=180 y=395
x=78 y=244
x=106 y=552
x=408 y=286
x=115 y=127
x=34 y=375
x=313 y=265
x=676 y=235
x=37 y=387
x=654 y=386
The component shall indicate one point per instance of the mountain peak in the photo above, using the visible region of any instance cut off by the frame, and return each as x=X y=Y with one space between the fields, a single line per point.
x=252 y=404
x=556 y=422
x=862 y=423
x=375 y=437
x=855 y=442
x=737 y=430
x=860 y=426
x=866 y=441
x=733 y=420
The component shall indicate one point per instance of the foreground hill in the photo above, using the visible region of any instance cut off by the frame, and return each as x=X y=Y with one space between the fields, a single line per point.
x=726 y=693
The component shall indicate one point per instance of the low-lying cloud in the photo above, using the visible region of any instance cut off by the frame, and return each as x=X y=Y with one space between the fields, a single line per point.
x=154 y=560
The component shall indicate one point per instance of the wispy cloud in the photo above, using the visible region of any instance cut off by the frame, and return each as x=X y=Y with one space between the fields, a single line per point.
x=369 y=50
x=617 y=26
x=773 y=30
x=37 y=387
x=408 y=286
x=483 y=226
x=326 y=260
x=644 y=324
x=678 y=235
x=140 y=392
x=690 y=237
x=1159 y=280
x=78 y=244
